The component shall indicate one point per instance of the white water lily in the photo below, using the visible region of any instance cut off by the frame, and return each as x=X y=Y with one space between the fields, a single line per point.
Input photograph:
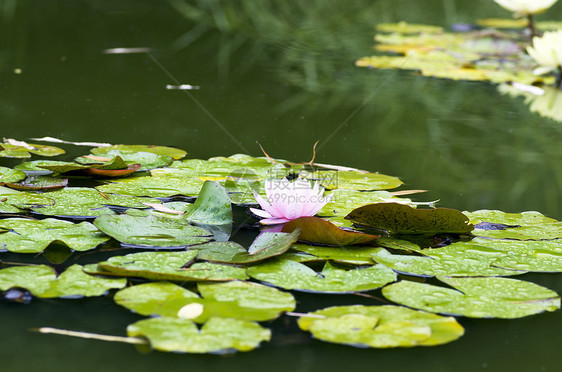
x=526 y=7
x=548 y=105
x=547 y=51
x=287 y=201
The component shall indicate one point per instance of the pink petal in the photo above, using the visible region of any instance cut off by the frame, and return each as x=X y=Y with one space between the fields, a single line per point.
x=260 y=213
x=273 y=221
x=265 y=205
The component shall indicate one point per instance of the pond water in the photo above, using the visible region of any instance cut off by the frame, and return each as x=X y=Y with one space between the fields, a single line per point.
x=282 y=74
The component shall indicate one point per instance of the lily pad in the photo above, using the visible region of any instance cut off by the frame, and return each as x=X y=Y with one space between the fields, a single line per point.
x=42 y=282
x=476 y=56
x=318 y=231
x=350 y=180
x=19 y=149
x=236 y=299
x=212 y=206
x=409 y=28
x=172 y=266
x=141 y=160
x=35 y=183
x=532 y=232
x=218 y=335
x=83 y=202
x=161 y=183
x=402 y=219
x=357 y=255
x=151 y=231
x=289 y=274
x=13 y=201
x=8 y=175
x=380 y=326
x=344 y=201
x=132 y=149
x=449 y=261
x=265 y=246
x=476 y=297
x=32 y=236
x=537 y=256
x=510 y=219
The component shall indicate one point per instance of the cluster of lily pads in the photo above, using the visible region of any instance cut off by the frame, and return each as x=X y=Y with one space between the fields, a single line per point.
x=494 y=52
x=204 y=290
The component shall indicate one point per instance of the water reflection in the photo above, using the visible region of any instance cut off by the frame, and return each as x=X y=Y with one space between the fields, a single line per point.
x=545 y=101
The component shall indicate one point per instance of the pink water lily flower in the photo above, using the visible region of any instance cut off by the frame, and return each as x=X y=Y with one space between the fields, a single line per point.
x=287 y=201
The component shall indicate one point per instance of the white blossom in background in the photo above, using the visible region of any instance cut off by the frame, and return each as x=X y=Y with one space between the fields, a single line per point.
x=547 y=51
x=526 y=7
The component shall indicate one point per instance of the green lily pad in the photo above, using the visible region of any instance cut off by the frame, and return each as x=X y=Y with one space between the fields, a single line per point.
x=151 y=231
x=511 y=219
x=32 y=236
x=8 y=175
x=161 y=183
x=218 y=335
x=380 y=326
x=61 y=167
x=212 y=206
x=357 y=255
x=448 y=261
x=20 y=149
x=132 y=149
x=236 y=299
x=35 y=183
x=172 y=266
x=318 y=231
x=474 y=56
x=402 y=219
x=265 y=246
x=83 y=202
x=399 y=244
x=344 y=201
x=13 y=201
x=289 y=274
x=533 y=232
x=144 y=160
x=537 y=256
x=408 y=28
x=350 y=180
x=239 y=168
x=476 y=297
x=42 y=282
